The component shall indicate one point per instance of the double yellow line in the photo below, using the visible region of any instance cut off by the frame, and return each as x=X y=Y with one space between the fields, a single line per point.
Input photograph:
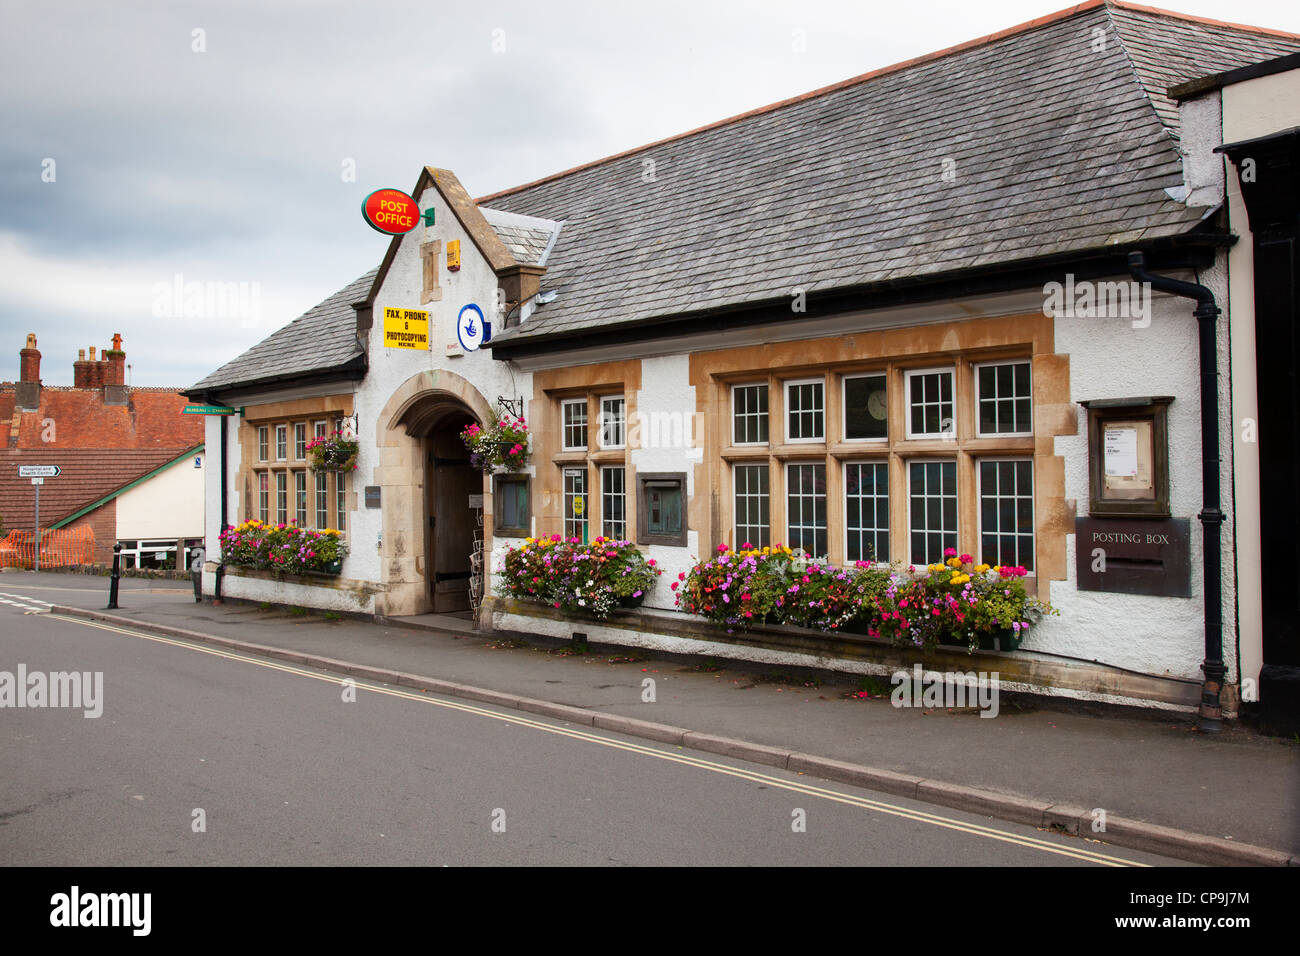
x=754 y=776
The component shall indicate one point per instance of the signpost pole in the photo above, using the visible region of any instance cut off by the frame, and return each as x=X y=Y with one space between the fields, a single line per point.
x=38 y=525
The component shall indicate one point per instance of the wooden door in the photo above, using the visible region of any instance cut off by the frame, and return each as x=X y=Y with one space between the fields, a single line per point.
x=451 y=525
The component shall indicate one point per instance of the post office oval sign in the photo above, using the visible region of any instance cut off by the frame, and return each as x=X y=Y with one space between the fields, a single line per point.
x=390 y=211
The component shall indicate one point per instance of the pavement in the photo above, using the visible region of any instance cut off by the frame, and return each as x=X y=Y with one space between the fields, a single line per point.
x=1151 y=780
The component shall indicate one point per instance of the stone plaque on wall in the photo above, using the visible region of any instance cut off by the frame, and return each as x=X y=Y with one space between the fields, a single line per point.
x=372 y=496
x=1140 y=556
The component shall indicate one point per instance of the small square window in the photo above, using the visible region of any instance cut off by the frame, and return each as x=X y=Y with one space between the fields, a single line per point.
x=1003 y=399
x=805 y=411
x=511 y=505
x=573 y=416
x=749 y=414
x=866 y=411
x=661 y=508
x=930 y=411
x=613 y=422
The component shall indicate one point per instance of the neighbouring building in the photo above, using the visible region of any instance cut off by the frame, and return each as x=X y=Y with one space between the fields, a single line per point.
x=131 y=464
x=923 y=308
x=1251 y=115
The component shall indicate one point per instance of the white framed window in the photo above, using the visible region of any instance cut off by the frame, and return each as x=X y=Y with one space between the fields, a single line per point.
x=264 y=496
x=751 y=500
x=866 y=408
x=263 y=443
x=281 y=442
x=1003 y=399
x=300 y=441
x=613 y=422
x=749 y=414
x=300 y=497
x=931 y=510
x=1006 y=511
x=575 y=503
x=930 y=404
x=866 y=510
x=320 y=429
x=322 y=499
x=341 y=496
x=805 y=410
x=805 y=495
x=573 y=417
x=613 y=503
x=282 y=497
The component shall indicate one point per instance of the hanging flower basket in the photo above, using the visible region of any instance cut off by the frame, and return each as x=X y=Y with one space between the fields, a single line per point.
x=334 y=453
x=502 y=444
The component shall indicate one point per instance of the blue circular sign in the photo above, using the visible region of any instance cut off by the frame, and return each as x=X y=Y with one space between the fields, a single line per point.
x=469 y=327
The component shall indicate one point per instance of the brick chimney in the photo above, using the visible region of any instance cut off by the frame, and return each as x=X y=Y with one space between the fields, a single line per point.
x=95 y=368
x=116 y=362
x=29 y=375
x=80 y=370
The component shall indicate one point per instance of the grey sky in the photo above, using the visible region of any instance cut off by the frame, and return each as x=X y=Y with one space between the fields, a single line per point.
x=225 y=166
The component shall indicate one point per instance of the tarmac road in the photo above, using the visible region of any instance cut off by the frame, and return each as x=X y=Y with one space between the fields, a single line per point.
x=286 y=770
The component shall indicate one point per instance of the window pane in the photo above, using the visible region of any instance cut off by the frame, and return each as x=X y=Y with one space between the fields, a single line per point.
x=613 y=503
x=806 y=508
x=806 y=411
x=865 y=410
x=575 y=503
x=322 y=500
x=932 y=509
x=1007 y=513
x=751 y=493
x=749 y=414
x=867 y=511
x=1004 y=399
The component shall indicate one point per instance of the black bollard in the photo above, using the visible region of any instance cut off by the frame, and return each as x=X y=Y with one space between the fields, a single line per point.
x=117 y=576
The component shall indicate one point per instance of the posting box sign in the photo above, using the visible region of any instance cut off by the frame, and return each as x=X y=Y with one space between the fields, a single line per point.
x=406 y=329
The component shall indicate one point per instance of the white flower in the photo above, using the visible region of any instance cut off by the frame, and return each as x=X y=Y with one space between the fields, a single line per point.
x=581 y=603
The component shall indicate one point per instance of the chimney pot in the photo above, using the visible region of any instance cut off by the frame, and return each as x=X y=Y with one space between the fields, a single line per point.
x=29 y=361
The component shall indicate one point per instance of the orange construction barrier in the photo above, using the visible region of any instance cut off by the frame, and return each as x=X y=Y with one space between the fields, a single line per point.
x=60 y=548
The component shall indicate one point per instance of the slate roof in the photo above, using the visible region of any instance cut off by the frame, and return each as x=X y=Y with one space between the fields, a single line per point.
x=1055 y=146
x=100 y=448
x=527 y=237
x=320 y=340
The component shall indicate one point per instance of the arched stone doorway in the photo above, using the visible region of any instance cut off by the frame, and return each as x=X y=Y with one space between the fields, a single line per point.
x=427 y=482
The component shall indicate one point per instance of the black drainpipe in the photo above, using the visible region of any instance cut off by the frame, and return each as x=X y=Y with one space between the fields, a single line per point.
x=221 y=568
x=1206 y=313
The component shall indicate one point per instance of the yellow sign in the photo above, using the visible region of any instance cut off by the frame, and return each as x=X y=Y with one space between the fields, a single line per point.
x=406 y=329
x=579 y=506
x=453 y=255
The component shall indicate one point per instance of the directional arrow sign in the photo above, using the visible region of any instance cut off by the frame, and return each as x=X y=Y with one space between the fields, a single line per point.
x=39 y=471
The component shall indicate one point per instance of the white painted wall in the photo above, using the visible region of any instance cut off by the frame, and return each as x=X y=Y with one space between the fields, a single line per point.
x=390 y=368
x=1109 y=358
x=168 y=505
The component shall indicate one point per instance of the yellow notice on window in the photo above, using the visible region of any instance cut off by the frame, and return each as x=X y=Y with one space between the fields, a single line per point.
x=406 y=329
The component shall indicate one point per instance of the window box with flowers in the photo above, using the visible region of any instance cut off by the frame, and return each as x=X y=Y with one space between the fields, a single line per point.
x=283 y=549
x=500 y=445
x=334 y=452
x=580 y=578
